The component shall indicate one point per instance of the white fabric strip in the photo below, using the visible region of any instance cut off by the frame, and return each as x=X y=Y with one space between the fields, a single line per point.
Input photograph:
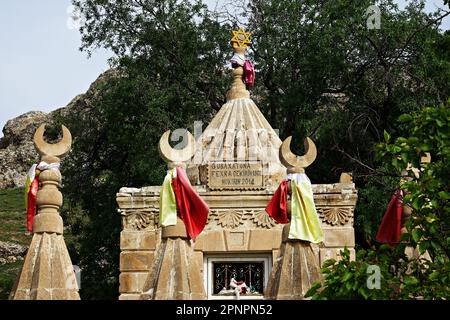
x=45 y=166
x=238 y=58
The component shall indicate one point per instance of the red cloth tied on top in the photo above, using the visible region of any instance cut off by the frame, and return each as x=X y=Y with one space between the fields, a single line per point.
x=32 y=203
x=249 y=73
x=277 y=207
x=193 y=210
x=389 y=231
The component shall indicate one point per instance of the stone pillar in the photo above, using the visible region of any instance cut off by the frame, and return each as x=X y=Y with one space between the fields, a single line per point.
x=295 y=269
x=47 y=273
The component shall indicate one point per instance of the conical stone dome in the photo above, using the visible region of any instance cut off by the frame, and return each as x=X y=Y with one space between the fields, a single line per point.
x=239 y=137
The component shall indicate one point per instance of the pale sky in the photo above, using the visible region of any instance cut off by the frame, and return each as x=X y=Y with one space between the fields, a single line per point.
x=41 y=68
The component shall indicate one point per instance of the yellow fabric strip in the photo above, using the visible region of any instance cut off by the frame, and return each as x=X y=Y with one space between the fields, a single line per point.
x=305 y=224
x=30 y=177
x=167 y=202
x=27 y=189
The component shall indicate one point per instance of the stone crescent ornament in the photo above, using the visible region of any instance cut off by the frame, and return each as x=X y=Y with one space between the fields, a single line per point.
x=426 y=158
x=290 y=160
x=59 y=149
x=170 y=154
x=416 y=172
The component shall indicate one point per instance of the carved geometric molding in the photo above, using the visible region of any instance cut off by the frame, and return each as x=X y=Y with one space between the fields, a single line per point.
x=232 y=218
x=138 y=220
x=263 y=220
x=335 y=215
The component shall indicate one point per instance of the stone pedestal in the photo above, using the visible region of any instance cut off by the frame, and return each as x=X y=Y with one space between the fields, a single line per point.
x=294 y=271
x=174 y=274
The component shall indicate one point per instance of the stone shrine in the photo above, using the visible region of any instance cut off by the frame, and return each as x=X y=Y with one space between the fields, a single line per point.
x=235 y=167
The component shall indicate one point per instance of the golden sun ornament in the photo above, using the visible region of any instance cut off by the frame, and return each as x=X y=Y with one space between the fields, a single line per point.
x=241 y=39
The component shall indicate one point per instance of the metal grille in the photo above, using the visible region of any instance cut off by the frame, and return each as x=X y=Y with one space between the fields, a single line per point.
x=249 y=275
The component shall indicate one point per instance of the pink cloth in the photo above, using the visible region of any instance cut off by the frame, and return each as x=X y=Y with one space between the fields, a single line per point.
x=32 y=203
x=249 y=73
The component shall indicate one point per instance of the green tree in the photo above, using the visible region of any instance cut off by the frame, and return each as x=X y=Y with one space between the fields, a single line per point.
x=323 y=73
x=169 y=58
x=428 y=227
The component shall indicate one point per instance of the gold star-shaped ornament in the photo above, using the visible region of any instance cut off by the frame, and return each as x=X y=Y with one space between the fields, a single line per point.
x=241 y=39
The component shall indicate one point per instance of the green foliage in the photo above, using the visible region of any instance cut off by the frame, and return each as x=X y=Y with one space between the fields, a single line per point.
x=347 y=280
x=13 y=217
x=373 y=199
x=320 y=72
x=399 y=278
x=12 y=229
x=429 y=194
x=428 y=227
x=8 y=276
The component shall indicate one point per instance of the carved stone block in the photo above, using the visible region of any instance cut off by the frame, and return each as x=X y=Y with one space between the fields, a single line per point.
x=339 y=237
x=132 y=282
x=138 y=240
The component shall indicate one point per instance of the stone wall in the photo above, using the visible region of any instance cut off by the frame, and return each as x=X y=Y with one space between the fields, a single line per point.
x=237 y=223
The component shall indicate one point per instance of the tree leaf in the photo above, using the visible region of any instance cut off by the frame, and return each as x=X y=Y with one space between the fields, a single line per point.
x=416 y=235
x=410 y=280
x=387 y=137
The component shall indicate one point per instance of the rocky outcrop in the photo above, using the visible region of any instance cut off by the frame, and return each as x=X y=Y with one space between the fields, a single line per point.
x=17 y=152
x=16 y=149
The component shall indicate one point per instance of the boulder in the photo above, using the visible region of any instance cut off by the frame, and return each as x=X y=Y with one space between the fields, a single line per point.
x=17 y=151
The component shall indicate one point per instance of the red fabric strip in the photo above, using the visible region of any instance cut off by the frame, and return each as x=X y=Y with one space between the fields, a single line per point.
x=249 y=73
x=278 y=204
x=193 y=210
x=389 y=231
x=32 y=203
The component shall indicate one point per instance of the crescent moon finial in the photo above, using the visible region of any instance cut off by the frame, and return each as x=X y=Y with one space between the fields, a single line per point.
x=59 y=149
x=296 y=163
x=171 y=155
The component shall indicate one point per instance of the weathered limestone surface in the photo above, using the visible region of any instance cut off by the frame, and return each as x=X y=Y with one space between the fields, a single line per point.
x=294 y=271
x=237 y=223
x=175 y=273
x=47 y=272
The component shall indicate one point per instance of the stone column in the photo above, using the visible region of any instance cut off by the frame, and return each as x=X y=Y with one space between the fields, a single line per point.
x=238 y=89
x=47 y=273
x=174 y=274
x=295 y=269
x=297 y=266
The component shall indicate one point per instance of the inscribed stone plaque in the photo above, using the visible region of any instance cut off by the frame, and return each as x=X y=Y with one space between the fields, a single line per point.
x=235 y=175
